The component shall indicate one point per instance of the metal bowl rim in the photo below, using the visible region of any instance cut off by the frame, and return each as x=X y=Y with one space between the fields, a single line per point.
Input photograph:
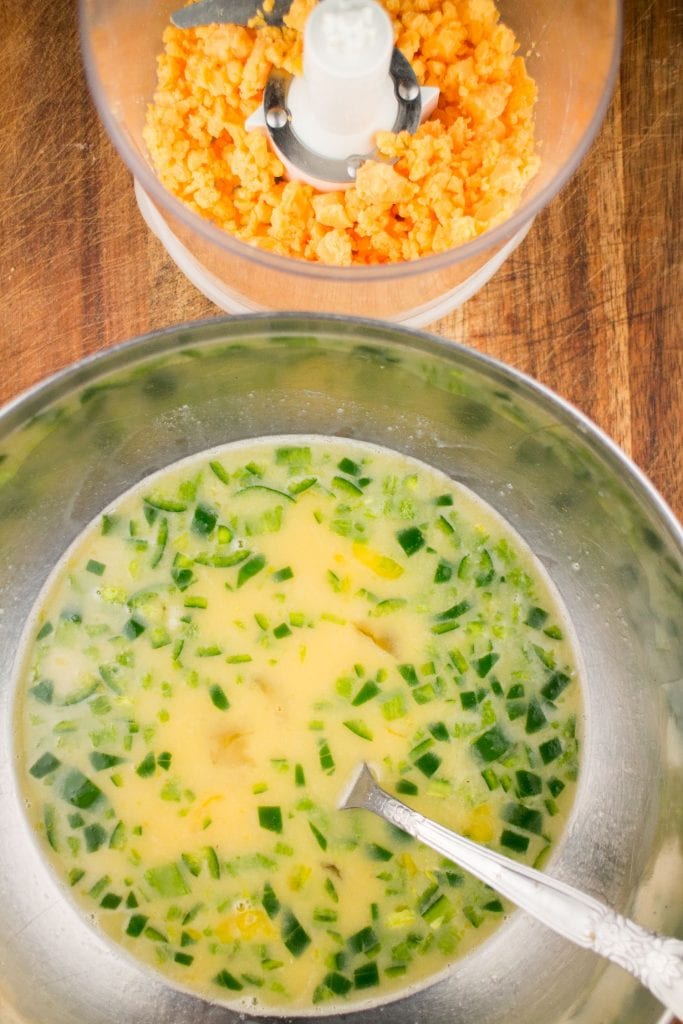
x=57 y=384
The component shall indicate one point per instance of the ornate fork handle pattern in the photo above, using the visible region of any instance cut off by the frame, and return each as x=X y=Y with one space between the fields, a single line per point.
x=655 y=960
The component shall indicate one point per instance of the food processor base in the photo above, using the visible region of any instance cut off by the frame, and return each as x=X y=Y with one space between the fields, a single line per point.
x=232 y=302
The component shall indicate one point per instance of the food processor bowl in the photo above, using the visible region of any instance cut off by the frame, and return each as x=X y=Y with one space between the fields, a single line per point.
x=572 y=51
x=612 y=547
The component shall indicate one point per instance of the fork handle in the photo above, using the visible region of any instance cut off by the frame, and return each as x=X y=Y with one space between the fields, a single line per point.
x=657 y=961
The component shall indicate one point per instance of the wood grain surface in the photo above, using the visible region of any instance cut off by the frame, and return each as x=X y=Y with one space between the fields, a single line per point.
x=590 y=304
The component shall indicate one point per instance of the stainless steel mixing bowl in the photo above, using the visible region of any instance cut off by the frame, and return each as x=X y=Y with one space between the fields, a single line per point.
x=612 y=547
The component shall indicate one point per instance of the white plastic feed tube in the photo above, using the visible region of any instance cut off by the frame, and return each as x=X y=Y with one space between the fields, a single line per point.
x=346 y=93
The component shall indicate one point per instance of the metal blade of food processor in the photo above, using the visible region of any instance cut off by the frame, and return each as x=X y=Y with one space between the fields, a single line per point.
x=233 y=12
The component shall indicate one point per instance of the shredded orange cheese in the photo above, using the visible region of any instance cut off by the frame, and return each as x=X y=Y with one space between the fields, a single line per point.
x=463 y=171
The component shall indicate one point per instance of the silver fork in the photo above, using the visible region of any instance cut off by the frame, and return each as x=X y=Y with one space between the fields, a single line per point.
x=657 y=961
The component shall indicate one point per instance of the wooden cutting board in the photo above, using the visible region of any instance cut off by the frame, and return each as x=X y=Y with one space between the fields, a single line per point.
x=590 y=304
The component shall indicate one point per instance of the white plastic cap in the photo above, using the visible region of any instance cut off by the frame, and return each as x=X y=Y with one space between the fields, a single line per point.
x=346 y=94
